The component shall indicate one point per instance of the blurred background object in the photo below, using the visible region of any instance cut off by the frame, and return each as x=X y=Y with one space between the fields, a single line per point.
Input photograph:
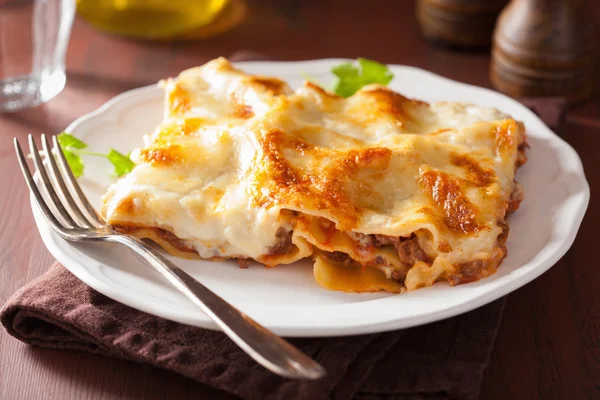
x=466 y=24
x=152 y=19
x=33 y=40
x=232 y=14
x=545 y=48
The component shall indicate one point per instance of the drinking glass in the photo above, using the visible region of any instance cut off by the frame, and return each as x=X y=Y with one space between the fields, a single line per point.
x=33 y=41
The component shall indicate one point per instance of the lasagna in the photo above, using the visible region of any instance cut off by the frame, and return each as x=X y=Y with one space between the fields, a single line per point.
x=382 y=192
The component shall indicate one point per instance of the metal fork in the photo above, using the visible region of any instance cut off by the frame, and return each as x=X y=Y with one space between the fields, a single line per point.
x=79 y=222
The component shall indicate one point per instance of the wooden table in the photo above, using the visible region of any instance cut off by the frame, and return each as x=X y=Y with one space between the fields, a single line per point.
x=548 y=346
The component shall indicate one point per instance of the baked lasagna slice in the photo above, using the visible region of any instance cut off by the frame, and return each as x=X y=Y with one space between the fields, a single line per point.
x=381 y=191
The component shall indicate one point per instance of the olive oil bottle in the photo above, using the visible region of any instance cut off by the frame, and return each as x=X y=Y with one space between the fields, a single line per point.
x=149 y=19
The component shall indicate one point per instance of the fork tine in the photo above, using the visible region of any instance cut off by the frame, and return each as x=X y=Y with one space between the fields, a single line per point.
x=58 y=179
x=37 y=160
x=91 y=212
x=39 y=199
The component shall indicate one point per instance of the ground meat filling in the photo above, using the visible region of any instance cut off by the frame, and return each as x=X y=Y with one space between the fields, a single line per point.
x=284 y=242
x=408 y=250
x=476 y=269
x=176 y=242
x=382 y=240
x=504 y=235
x=341 y=258
x=521 y=156
x=469 y=272
x=516 y=197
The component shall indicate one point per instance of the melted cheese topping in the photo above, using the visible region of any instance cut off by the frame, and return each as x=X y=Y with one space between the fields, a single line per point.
x=240 y=161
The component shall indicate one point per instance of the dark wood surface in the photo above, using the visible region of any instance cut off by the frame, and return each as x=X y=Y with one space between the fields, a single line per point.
x=548 y=346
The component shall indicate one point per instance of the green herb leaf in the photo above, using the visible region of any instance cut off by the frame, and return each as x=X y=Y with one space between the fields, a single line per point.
x=69 y=142
x=375 y=72
x=351 y=77
x=75 y=163
x=121 y=162
x=73 y=148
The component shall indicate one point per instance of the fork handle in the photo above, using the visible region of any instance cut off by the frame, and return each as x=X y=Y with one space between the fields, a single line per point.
x=269 y=350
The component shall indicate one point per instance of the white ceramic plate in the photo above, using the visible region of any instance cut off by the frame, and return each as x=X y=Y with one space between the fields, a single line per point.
x=287 y=299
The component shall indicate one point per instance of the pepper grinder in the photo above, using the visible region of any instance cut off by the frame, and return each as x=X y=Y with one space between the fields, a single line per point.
x=462 y=24
x=544 y=48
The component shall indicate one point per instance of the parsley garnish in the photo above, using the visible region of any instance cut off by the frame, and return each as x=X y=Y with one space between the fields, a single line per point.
x=121 y=162
x=73 y=149
x=350 y=78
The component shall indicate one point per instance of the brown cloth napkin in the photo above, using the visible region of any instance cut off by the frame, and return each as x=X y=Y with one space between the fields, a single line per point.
x=442 y=360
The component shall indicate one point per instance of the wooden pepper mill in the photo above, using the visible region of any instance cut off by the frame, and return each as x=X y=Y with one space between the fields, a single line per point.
x=544 y=48
x=465 y=24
